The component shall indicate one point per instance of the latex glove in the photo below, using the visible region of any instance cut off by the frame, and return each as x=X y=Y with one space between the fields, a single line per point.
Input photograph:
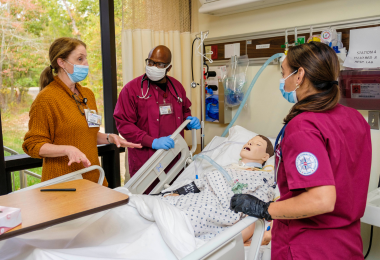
x=194 y=124
x=250 y=205
x=163 y=143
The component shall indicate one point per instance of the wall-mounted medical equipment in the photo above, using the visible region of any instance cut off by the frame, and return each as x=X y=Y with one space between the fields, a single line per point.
x=234 y=78
x=261 y=45
x=360 y=89
x=360 y=85
x=216 y=110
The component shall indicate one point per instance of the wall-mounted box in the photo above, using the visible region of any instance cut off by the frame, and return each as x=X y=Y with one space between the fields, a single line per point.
x=360 y=89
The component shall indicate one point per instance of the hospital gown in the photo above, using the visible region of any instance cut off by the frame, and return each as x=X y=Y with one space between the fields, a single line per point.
x=209 y=210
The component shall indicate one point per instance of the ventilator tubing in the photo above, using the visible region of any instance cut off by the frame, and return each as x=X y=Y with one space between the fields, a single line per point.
x=278 y=55
x=212 y=162
x=217 y=166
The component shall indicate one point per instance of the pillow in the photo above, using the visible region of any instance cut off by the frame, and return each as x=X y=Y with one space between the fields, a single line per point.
x=240 y=134
x=226 y=153
x=230 y=152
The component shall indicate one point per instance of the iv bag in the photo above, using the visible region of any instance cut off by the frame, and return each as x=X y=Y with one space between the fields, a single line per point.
x=234 y=76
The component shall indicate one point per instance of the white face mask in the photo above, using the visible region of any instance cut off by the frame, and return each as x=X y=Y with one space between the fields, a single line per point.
x=154 y=73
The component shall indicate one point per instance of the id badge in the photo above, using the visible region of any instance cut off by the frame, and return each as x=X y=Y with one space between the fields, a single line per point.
x=93 y=119
x=166 y=109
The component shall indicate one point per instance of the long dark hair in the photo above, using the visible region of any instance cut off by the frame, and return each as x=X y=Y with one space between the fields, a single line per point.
x=322 y=68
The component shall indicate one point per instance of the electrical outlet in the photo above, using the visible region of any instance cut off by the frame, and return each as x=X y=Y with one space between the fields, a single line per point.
x=373 y=119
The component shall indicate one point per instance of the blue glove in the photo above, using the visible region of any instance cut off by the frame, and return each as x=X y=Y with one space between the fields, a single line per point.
x=163 y=143
x=194 y=124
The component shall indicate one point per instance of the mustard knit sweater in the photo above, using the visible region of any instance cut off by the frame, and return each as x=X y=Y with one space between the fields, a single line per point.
x=56 y=119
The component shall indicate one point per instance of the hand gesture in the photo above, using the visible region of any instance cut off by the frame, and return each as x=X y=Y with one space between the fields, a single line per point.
x=76 y=156
x=120 y=142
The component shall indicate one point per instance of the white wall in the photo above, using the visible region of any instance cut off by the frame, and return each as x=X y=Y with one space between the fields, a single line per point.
x=290 y=15
x=266 y=107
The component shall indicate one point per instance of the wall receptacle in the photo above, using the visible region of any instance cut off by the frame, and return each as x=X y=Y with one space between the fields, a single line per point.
x=373 y=119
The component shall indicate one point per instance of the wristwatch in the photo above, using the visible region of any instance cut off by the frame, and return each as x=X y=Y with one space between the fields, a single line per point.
x=108 y=139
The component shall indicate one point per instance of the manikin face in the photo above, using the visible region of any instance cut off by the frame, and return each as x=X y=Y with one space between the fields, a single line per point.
x=255 y=150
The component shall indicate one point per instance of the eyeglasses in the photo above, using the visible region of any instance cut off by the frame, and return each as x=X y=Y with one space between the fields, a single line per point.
x=79 y=103
x=160 y=65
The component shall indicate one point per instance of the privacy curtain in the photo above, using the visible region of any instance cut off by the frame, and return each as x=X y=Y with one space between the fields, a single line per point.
x=148 y=23
x=173 y=23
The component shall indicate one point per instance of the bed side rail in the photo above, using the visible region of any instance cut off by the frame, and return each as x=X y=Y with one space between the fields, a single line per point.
x=68 y=177
x=221 y=247
x=154 y=167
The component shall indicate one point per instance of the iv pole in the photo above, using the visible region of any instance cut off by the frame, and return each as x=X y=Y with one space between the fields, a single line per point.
x=202 y=35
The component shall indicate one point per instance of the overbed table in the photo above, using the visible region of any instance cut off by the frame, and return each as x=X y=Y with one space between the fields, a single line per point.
x=40 y=210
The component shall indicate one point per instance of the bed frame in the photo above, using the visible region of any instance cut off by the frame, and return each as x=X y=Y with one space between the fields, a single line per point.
x=68 y=177
x=155 y=166
x=226 y=246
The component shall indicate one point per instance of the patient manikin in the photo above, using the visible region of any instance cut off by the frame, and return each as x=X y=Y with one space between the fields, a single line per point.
x=206 y=201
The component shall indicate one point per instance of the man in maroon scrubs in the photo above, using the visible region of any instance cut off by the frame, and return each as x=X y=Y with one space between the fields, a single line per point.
x=151 y=107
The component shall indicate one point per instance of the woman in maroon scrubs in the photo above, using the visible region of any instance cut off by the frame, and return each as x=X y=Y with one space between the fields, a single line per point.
x=324 y=164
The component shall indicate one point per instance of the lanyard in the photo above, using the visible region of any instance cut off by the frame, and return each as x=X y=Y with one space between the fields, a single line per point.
x=278 y=152
x=79 y=103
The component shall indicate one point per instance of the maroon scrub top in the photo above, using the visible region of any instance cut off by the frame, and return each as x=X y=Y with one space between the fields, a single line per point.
x=318 y=149
x=139 y=121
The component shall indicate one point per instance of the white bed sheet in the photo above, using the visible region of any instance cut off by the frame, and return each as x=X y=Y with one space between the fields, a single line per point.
x=152 y=230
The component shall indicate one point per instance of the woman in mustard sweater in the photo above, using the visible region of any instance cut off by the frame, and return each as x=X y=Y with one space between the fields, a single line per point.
x=64 y=124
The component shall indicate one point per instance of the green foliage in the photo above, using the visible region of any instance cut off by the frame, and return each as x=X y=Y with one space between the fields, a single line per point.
x=27 y=29
x=32 y=25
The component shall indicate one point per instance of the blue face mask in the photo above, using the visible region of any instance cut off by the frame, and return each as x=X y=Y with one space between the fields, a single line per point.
x=79 y=74
x=289 y=96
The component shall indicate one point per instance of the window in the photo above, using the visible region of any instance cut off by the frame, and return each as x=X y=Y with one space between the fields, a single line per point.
x=27 y=28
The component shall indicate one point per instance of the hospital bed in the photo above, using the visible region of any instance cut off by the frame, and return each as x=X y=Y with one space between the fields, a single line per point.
x=227 y=245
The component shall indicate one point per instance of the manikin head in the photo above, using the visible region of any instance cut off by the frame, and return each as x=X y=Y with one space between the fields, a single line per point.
x=257 y=150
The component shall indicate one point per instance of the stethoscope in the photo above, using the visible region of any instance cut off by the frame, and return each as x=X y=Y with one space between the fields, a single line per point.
x=278 y=152
x=145 y=96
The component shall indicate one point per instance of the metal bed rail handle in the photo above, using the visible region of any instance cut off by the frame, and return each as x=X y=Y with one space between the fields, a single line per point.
x=68 y=177
x=91 y=168
x=214 y=244
x=193 y=135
